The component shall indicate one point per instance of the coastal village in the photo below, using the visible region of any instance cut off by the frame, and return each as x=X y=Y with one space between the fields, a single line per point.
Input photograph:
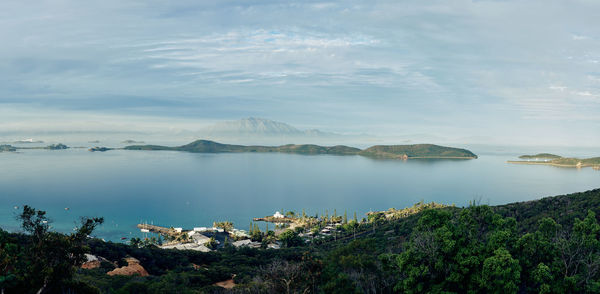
x=289 y=227
x=287 y=230
x=206 y=239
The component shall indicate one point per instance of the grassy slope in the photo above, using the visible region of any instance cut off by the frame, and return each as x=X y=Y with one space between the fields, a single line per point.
x=563 y=209
x=383 y=238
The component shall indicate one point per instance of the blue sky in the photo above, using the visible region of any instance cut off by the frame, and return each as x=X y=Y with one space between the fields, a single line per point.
x=524 y=72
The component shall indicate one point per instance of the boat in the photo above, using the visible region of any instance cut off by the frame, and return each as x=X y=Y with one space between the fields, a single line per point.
x=123 y=238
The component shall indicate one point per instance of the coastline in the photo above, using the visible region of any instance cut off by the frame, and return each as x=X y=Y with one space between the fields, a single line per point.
x=580 y=165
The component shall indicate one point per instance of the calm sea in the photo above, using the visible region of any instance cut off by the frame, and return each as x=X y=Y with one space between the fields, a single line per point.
x=189 y=190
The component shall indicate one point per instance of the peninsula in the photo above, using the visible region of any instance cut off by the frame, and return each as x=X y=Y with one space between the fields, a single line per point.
x=556 y=160
x=379 y=151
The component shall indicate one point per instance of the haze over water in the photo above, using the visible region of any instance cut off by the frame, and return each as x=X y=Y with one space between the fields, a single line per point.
x=191 y=190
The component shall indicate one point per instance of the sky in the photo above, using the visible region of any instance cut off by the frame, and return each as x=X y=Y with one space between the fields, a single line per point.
x=519 y=72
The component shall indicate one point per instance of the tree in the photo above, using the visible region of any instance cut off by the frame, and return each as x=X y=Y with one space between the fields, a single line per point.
x=50 y=257
x=135 y=242
x=501 y=273
x=10 y=253
x=256 y=234
x=285 y=277
x=211 y=243
x=227 y=226
x=290 y=238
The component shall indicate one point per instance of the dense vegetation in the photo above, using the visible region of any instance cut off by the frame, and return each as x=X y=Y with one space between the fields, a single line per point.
x=393 y=151
x=551 y=245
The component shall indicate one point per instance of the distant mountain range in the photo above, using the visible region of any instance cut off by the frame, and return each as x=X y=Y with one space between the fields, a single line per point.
x=261 y=127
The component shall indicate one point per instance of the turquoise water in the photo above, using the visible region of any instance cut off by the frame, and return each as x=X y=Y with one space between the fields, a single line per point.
x=189 y=190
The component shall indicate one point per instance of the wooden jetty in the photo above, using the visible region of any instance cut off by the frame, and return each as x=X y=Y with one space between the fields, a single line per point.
x=160 y=230
x=272 y=219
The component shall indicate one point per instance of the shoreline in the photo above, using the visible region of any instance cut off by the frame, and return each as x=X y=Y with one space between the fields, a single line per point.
x=593 y=166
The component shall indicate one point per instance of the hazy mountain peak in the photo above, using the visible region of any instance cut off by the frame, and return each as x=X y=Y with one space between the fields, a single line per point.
x=259 y=126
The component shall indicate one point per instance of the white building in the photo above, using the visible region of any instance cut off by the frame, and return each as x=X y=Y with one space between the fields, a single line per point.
x=178 y=230
x=200 y=239
x=246 y=243
x=188 y=246
x=278 y=215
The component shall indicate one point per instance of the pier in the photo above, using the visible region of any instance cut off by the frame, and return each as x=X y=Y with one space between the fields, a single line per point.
x=272 y=219
x=160 y=230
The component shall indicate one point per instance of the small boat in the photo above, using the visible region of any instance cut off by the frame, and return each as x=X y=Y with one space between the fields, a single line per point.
x=16 y=207
x=66 y=208
x=123 y=238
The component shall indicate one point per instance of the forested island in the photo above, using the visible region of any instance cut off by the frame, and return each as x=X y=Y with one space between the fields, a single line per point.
x=556 y=160
x=7 y=148
x=551 y=245
x=540 y=156
x=379 y=151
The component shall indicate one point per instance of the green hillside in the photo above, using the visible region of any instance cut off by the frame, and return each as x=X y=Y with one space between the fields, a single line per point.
x=417 y=151
x=551 y=245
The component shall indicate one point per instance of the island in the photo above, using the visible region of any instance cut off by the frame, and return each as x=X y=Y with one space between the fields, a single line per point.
x=543 y=156
x=99 y=149
x=7 y=148
x=58 y=146
x=555 y=160
x=381 y=151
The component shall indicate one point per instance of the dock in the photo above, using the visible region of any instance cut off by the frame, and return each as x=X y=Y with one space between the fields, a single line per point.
x=272 y=219
x=160 y=230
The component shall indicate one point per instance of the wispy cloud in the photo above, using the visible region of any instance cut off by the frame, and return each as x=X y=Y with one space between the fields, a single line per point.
x=350 y=64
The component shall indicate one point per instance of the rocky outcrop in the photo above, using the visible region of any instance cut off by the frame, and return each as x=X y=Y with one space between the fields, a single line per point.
x=133 y=268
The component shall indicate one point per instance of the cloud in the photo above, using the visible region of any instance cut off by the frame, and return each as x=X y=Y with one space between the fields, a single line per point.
x=580 y=37
x=343 y=65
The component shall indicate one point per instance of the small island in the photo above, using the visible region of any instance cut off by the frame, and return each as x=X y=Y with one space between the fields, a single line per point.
x=7 y=148
x=556 y=160
x=99 y=149
x=418 y=151
x=543 y=156
x=58 y=146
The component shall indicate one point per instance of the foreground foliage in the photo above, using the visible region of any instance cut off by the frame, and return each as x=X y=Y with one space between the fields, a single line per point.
x=550 y=245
